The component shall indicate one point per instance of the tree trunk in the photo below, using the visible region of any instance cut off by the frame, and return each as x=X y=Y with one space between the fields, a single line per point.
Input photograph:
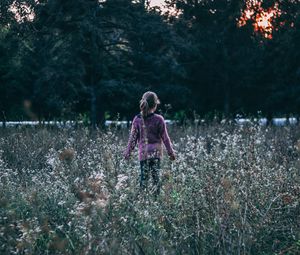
x=269 y=118
x=100 y=113
x=226 y=100
x=93 y=107
x=4 y=120
x=97 y=110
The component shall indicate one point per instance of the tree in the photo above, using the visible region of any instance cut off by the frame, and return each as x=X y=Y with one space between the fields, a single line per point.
x=221 y=53
x=11 y=51
x=76 y=46
x=92 y=52
x=153 y=57
x=281 y=74
x=233 y=68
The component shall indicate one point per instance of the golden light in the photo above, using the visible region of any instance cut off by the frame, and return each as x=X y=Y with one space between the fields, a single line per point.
x=262 y=18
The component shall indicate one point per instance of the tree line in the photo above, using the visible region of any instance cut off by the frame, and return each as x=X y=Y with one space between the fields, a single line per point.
x=63 y=59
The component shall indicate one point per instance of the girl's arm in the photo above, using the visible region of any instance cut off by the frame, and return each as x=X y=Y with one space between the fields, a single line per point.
x=133 y=137
x=166 y=139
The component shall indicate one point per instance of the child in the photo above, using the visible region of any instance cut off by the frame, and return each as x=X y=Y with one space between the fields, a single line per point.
x=150 y=130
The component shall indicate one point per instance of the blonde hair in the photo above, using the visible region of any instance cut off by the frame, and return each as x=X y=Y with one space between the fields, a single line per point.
x=148 y=102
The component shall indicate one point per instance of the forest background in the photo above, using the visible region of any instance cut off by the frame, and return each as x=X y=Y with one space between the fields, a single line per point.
x=92 y=60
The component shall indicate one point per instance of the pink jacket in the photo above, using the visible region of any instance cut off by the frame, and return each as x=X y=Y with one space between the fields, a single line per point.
x=150 y=132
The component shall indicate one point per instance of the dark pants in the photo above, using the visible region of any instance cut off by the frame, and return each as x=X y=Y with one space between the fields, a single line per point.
x=150 y=167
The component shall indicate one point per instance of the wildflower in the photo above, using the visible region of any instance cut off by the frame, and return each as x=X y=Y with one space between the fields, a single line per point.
x=226 y=183
x=124 y=219
x=297 y=145
x=235 y=205
x=101 y=203
x=85 y=208
x=52 y=162
x=85 y=196
x=67 y=155
x=122 y=178
x=287 y=199
x=61 y=203
x=95 y=185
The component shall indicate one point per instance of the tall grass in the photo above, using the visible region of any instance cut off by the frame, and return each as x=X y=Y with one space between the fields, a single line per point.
x=232 y=190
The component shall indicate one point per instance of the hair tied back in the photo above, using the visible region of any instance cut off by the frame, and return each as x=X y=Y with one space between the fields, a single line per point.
x=148 y=102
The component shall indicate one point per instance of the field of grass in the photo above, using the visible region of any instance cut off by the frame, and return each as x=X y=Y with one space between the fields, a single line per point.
x=232 y=190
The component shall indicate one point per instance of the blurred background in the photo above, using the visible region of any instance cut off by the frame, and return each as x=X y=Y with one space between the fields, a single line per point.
x=93 y=59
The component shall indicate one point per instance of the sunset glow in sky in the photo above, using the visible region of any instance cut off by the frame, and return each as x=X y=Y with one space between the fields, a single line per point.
x=262 y=18
x=156 y=2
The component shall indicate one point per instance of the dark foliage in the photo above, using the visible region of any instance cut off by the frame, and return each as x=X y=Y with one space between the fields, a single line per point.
x=87 y=58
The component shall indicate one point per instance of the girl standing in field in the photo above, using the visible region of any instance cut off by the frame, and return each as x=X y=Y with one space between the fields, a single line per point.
x=150 y=130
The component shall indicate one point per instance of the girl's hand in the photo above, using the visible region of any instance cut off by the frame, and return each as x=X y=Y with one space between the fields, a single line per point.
x=126 y=156
x=172 y=157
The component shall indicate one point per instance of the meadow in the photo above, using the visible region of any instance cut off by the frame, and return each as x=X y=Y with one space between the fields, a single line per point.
x=233 y=189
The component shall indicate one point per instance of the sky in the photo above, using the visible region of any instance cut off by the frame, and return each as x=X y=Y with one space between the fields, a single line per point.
x=156 y=2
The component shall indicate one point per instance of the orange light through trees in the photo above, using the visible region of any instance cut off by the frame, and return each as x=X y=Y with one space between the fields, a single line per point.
x=262 y=18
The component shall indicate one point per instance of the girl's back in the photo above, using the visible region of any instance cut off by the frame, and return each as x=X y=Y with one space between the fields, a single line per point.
x=151 y=132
